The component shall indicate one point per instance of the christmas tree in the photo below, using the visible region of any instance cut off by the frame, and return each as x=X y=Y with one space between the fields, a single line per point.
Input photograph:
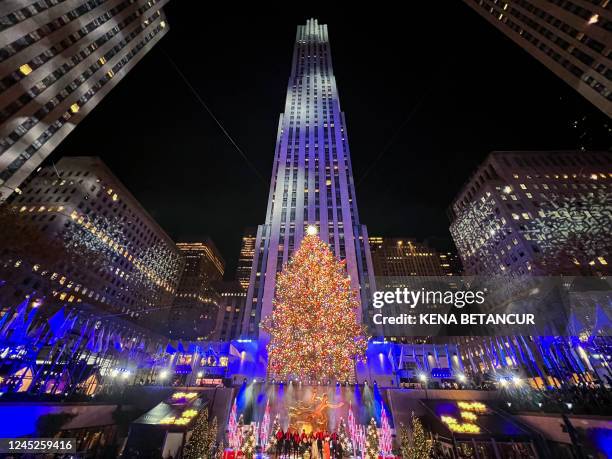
x=420 y=447
x=200 y=444
x=347 y=447
x=385 y=434
x=275 y=428
x=248 y=444
x=371 y=443
x=314 y=331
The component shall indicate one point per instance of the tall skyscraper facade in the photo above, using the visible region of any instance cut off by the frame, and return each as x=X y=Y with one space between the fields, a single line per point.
x=245 y=261
x=231 y=310
x=539 y=213
x=403 y=257
x=58 y=60
x=76 y=235
x=194 y=311
x=312 y=180
x=570 y=37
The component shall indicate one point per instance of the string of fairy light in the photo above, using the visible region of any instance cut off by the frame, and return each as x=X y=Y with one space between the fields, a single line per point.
x=314 y=330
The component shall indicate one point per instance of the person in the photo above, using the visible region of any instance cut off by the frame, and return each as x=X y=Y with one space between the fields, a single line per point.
x=280 y=436
x=296 y=443
x=314 y=448
x=333 y=443
x=326 y=450
x=288 y=441
x=320 y=443
x=338 y=450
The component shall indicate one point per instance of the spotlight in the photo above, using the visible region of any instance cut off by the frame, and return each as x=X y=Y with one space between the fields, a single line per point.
x=509 y=404
x=422 y=377
x=461 y=377
x=516 y=380
x=311 y=230
x=200 y=374
x=126 y=375
x=569 y=406
x=539 y=404
x=163 y=374
x=503 y=382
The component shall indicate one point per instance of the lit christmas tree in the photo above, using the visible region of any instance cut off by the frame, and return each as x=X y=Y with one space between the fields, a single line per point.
x=385 y=434
x=248 y=444
x=420 y=447
x=264 y=428
x=347 y=447
x=371 y=443
x=272 y=438
x=314 y=331
x=200 y=443
x=233 y=436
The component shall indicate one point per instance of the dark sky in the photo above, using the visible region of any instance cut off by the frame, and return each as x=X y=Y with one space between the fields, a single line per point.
x=434 y=89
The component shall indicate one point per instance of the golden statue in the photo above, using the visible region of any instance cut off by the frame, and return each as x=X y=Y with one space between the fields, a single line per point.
x=311 y=415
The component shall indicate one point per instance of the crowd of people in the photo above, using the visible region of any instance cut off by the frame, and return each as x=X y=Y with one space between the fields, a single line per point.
x=313 y=445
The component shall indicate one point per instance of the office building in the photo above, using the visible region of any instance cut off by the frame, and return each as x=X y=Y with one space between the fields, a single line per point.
x=312 y=180
x=539 y=213
x=79 y=236
x=231 y=310
x=570 y=37
x=402 y=257
x=245 y=262
x=194 y=310
x=59 y=59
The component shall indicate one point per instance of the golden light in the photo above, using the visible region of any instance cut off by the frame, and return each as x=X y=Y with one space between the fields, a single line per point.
x=25 y=69
x=472 y=406
x=468 y=416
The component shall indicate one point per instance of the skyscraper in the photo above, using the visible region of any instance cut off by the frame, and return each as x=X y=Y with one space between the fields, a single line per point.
x=59 y=59
x=403 y=257
x=76 y=235
x=312 y=180
x=194 y=311
x=231 y=310
x=245 y=261
x=538 y=213
x=570 y=37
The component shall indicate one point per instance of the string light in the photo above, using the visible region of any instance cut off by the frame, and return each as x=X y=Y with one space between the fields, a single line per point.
x=314 y=331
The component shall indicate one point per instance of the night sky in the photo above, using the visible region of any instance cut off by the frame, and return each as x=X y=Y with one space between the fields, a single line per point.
x=427 y=93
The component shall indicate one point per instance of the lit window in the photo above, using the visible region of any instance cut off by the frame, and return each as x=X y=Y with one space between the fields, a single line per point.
x=25 y=69
x=74 y=108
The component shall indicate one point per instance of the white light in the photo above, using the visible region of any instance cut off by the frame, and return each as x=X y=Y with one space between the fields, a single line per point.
x=200 y=374
x=593 y=19
x=423 y=377
x=507 y=189
x=114 y=373
x=462 y=378
x=569 y=406
x=516 y=380
x=503 y=382
x=163 y=374
x=126 y=375
x=311 y=230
